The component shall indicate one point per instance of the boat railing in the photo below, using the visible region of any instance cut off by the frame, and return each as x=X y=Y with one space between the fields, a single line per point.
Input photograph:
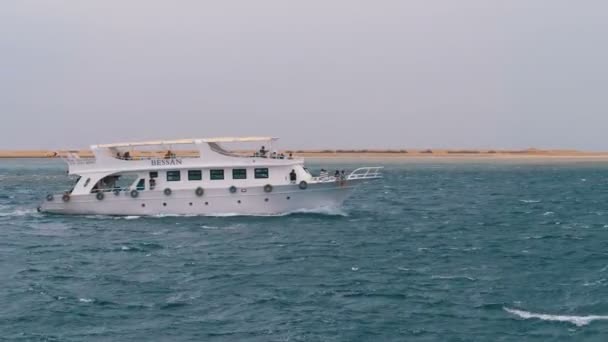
x=360 y=173
x=73 y=158
x=184 y=155
x=366 y=173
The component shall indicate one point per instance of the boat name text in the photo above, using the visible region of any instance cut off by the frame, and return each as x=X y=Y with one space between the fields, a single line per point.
x=162 y=162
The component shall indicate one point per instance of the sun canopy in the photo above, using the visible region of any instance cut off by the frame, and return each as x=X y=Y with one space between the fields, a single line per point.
x=188 y=141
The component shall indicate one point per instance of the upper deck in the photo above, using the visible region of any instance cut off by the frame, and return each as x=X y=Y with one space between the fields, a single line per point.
x=176 y=154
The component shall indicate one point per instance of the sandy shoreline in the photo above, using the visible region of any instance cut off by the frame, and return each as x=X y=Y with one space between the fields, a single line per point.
x=465 y=155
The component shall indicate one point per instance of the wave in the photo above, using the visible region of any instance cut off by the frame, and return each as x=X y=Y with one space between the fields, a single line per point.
x=319 y=211
x=579 y=321
x=449 y=277
x=329 y=211
x=19 y=212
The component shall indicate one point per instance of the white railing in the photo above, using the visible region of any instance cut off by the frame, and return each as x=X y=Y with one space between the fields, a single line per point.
x=72 y=158
x=366 y=173
x=360 y=173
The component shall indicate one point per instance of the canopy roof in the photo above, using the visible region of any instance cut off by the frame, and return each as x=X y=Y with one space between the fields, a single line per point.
x=188 y=141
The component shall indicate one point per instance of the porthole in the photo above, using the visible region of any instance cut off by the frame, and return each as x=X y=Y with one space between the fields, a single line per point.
x=239 y=201
x=288 y=198
x=164 y=204
x=190 y=203
x=266 y=200
x=206 y=203
x=143 y=205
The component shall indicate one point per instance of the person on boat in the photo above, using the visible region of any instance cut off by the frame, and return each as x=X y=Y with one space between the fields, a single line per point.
x=168 y=154
x=282 y=156
x=290 y=155
x=263 y=152
x=293 y=177
x=324 y=174
x=126 y=156
x=152 y=183
x=337 y=174
x=118 y=155
x=273 y=155
x=343 y=175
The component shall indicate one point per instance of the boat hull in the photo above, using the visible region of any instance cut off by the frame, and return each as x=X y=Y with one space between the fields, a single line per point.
x=245 y=201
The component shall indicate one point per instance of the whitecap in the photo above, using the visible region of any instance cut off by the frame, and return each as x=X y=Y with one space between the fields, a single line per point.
x=576 y=320
x=209 y=227
x=529 y=201
x=450 y=277
x=354 y=268
x=131 y=217
x=19 y=212
x=85 y=300
x=548 y=213
x=124 y=248
x=594 y=283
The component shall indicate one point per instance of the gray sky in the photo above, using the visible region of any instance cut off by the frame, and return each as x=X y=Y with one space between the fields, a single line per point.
x=337 y=74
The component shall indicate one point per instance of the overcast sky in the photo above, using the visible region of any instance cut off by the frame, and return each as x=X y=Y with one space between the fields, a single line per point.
x=336 y=74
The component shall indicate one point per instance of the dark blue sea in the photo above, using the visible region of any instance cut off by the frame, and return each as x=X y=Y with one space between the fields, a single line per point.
x=435 y=251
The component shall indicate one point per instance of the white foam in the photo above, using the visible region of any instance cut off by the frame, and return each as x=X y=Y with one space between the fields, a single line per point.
x=132 y=217
x=579 y=321
x=209 y=227
x=19 y=212
x=450 y=277
x=529 y=201
x=330 y=211
x=85 y=300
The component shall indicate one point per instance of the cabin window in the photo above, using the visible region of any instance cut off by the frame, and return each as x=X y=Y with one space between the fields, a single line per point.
x=173 y=176
x=239 y=173
x=216 y=174
x=261 y=173
x=195 y=175
x=141 y=185
x=154 y=174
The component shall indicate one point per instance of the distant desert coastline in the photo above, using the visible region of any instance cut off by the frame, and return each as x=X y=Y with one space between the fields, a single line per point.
x=468 y=154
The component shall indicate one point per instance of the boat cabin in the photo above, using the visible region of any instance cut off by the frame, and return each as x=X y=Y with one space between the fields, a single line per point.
x=184 y=164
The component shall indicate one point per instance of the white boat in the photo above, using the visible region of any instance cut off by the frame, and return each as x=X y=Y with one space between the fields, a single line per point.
x=204 y=178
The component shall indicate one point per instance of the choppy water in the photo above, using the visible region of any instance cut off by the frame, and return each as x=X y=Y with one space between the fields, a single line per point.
x=434 y=252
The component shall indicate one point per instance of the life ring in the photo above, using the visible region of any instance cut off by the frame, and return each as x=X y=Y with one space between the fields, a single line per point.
x=232 y=189
x=267 y=188
x=99 y=196
x=65 y=197
x=49 y=197
x=303 y=185
x=199 y=191
x=167 y=191
x=116 y=192
x=134 y=193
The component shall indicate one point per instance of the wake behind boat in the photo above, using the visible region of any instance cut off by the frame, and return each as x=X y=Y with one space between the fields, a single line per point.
x=204 y=179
